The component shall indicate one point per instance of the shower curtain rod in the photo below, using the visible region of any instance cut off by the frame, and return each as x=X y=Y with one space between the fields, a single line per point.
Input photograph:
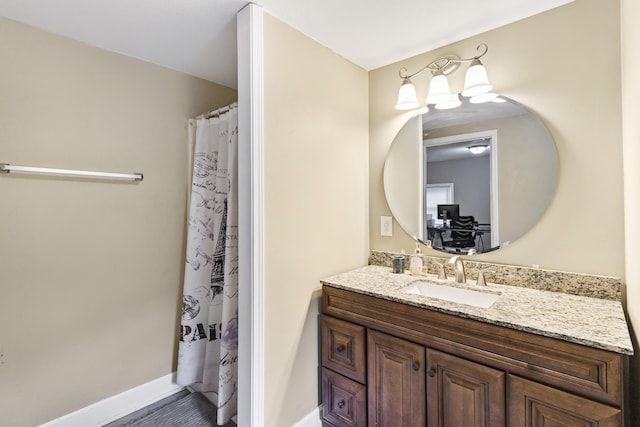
x=218 y=112
x=5 y=167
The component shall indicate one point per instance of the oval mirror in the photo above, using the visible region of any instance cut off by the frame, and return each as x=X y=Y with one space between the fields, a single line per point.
x=476 y=177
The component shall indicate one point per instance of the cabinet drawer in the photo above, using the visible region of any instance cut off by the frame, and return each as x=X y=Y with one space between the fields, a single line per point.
x=533 y=404
x=343 y=348
x=344 y=402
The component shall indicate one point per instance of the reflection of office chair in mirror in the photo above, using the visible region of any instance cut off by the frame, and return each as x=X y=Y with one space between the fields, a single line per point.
x=463 y=233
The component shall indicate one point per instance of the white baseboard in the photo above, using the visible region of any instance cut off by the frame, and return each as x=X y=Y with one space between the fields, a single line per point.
x=312 y=419
x=114 y=407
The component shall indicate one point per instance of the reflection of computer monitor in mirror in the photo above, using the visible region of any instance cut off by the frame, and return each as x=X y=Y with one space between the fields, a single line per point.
x=446 y=212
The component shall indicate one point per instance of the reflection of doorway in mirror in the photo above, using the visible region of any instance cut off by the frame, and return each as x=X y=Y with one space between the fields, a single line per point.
x=448 y=161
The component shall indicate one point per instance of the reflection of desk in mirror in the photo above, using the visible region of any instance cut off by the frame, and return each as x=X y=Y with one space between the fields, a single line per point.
x=437 y=235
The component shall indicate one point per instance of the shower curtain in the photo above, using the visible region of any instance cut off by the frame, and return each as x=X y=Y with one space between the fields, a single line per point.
x=208 y=348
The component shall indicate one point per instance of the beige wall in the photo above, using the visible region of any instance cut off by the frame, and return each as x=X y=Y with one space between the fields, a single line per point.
x=630 y=10
x=549 y=63
x=90 y=272
x=316 y=194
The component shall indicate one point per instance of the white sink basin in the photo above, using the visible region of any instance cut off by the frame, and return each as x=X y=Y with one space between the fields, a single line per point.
x=449 y=293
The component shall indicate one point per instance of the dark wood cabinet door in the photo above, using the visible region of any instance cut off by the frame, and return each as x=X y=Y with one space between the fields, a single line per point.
x=396 y=381
x=463 y=393
x=535 y=405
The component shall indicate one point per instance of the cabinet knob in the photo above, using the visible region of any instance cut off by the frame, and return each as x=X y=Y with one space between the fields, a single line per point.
x=415 y=366
x=431 y=373
x=340 y=348
x=341 y=404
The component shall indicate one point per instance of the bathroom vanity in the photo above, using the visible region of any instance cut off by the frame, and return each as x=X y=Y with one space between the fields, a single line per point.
x=532 y=358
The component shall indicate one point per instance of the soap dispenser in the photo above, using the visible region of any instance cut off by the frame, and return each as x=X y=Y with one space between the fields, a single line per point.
x=415 y=263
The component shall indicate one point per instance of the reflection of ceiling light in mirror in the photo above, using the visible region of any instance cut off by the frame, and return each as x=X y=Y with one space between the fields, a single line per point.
x=485 y=97
x=452 y=102
x=478 y=149
x=498 y=100
x=423 y=110
x=407 y=98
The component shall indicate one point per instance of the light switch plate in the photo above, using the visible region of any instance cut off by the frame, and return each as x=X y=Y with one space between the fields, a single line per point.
x=386 y=226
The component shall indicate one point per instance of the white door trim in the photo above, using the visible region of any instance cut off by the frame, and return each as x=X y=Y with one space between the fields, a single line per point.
x=251 y=216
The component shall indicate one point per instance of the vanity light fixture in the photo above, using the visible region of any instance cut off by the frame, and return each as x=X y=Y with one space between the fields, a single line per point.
x=478 y=149
x=407 y=99
x=476 y=82
x=438 y=89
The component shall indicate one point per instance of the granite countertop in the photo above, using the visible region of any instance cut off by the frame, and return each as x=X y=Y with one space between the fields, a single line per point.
x=593 y=322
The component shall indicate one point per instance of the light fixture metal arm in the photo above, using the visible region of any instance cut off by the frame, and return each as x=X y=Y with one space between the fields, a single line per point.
x=484 y=48
x=445 y=65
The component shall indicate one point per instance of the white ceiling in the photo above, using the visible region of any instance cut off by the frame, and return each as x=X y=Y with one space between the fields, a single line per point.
x=198 y=37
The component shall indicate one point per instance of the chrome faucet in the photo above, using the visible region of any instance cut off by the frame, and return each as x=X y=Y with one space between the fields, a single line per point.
x=481 y=279
x=457 y=261
x=442 y=275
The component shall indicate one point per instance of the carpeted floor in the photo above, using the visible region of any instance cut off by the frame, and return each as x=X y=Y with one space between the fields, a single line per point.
x=183 y=409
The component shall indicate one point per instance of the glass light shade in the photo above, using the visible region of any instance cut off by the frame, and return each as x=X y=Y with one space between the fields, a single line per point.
x=452 y=102
x=407 y=98
x=476 y=81
x=438 y=89
x=478 y=149
x=485 y=97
